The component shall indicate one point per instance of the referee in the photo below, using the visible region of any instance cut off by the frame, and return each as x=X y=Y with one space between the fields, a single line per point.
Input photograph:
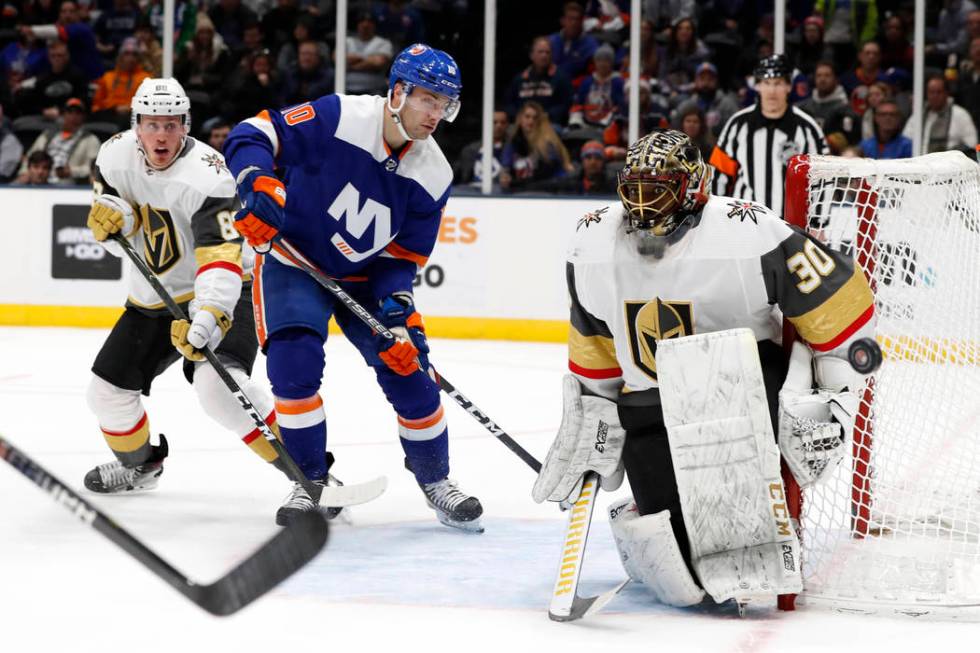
x=757 y=143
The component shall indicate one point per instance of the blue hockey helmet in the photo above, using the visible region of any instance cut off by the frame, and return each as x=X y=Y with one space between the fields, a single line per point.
x=431 y=69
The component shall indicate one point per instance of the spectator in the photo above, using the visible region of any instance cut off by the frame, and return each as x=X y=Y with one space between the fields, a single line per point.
x=685 y=51
x=46 y=93
x=368 y=58
x=278 y=23
x=310 y=79
x=230 y=19
x=303 y=31
x=716 y=105
x=848 y=23
x=662 y=13
x=828 y=97
x=650 y=53
x=72 y=149
x=887 y=142
x=114 y=90
x=534 y=153
x=185 y=20
x=571 y=48
x=151 y=52
x=253 y=40
x=399 y=22
x=543 y=83
x=968 y=95
x=950 y=36
x=255 y=91
x=469 y=165
x=10 y=149
x=868 y=71
x=590 y=179
x=76 y=33
x=653 y=115
x=38 y=169
x=607 y=19
x=114 y=25
x=896 y=51
x=691 y=121
x=945 y=126
x=22 y=58
x=812 y=48
x=203 y=66
x=877 y=93
x=600 y=95
x=217 y=134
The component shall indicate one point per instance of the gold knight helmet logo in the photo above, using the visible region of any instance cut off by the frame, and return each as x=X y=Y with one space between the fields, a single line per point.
x=649 y=322
x=161 y=248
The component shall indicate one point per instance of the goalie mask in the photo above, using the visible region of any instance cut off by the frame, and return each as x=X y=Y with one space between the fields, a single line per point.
x=663 y=182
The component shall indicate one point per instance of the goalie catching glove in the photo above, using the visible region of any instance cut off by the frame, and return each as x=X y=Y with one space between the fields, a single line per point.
x=813 y=424
x=109 y=215
x=590 y=438
x=206 y=329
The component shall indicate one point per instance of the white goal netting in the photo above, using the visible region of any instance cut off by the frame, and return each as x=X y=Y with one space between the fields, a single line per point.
x=897 y=528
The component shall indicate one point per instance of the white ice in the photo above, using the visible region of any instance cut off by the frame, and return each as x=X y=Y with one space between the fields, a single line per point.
x=394 y=579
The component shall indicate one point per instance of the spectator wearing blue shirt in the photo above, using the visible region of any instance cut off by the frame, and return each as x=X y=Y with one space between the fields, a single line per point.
x=600 y=96
x=22 y=59
x=888 y=141
x=114 y=25
x=542 y=82
x=571 y=48
x=399 y=23
x=76 y=33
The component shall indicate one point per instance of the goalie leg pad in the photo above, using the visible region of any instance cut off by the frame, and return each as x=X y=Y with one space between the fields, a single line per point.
x=727 y=465
x=650 y=555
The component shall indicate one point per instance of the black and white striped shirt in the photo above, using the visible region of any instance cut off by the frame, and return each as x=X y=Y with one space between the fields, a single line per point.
x=753 y=151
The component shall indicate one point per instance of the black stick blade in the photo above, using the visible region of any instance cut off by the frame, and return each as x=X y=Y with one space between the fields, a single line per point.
x=274 y=562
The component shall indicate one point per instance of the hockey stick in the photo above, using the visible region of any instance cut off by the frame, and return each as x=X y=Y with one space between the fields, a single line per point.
x=295 y=545
x=289 y=253
x=566 y=604
x=337 y=497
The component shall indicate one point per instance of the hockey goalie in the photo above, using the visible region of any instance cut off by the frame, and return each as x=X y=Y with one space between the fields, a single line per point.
x=678 y=376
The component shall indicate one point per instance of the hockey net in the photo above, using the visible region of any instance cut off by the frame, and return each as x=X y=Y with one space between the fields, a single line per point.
x=896 y=530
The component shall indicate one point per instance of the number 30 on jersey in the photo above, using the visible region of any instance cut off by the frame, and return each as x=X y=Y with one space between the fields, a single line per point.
x=810 y=265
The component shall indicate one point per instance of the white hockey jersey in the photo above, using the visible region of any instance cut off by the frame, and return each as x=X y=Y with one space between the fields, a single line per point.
x=740 y=266
x=185 y=223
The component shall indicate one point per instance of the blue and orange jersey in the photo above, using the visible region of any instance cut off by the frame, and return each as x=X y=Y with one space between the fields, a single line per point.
x=353 y=207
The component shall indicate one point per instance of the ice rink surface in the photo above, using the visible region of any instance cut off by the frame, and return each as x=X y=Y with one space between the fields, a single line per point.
x=393 y=579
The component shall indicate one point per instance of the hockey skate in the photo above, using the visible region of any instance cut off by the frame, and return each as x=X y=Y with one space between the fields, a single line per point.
x=116 y=478
x=299 y=501
x=453 y=507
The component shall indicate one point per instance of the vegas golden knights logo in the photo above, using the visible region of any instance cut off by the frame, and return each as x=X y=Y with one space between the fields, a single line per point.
x=161 y=249
x=648 y=322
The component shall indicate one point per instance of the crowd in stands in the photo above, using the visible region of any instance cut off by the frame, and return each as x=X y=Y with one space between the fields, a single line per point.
x=68 y=70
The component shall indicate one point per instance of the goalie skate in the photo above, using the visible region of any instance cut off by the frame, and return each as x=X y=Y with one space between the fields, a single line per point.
x=116 y=478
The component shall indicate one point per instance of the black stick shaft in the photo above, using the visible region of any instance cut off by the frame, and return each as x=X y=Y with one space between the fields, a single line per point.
x=284 y=249
x=292 y=469
x=277 y=559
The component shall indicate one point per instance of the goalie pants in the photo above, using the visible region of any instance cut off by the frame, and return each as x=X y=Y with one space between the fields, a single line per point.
x=646 y=454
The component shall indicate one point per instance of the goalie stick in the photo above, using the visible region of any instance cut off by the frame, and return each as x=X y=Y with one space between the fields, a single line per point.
x=296 y=544
x=566 y=604
x=329 y=496
x=292 y=255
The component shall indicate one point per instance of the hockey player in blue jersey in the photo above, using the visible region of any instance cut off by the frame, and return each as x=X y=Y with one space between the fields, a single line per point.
x=362 y=190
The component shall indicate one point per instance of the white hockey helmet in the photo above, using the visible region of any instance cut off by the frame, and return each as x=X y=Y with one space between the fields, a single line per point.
x=161 y=96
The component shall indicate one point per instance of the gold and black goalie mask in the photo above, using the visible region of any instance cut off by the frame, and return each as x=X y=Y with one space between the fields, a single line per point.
x=652 y=200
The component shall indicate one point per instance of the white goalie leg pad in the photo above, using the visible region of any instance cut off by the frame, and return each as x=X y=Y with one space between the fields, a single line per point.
x=650 y=555
x=727 y=466
x=117 y=409
x=222 y=406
